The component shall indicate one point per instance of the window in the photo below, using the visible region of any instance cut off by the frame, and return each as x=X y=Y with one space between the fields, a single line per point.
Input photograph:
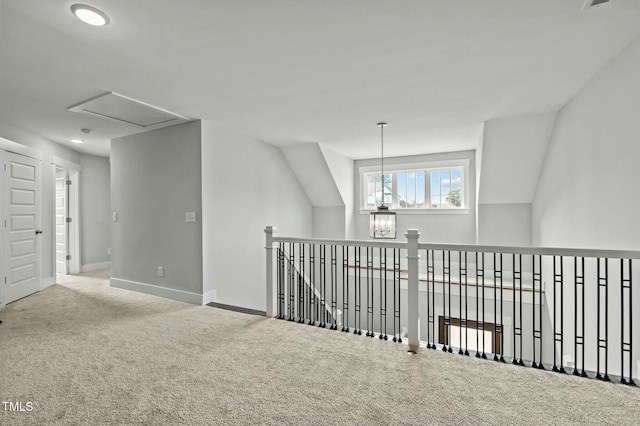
x=482 y=338
x=416 y=188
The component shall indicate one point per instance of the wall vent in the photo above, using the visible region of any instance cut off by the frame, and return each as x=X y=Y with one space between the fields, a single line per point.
x=115 y=107
x=595 y=3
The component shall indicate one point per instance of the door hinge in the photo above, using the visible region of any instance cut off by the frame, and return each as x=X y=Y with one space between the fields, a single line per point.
x=68 y=220
x=5 y=280
x=68 y=257
x=5 y=167
x=68 y=182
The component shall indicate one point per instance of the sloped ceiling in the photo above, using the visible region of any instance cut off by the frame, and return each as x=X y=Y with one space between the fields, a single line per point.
x=289 y=72
x=513 y=152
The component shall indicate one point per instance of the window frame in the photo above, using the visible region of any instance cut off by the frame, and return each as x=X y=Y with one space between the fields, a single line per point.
x=426 y=167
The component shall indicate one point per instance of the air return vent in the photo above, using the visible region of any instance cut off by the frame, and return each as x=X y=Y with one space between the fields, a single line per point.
x=122 y=109
x=596 y=3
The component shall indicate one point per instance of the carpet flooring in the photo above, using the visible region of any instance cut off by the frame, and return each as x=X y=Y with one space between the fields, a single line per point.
x=84 y=353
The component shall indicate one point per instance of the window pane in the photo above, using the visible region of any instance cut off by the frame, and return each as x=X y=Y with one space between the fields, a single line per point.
x=411 y=189
x=402 y=189
x=435 y=189
x=388 y=187
x=420 y=186
x=445 y=175
x=455 y=196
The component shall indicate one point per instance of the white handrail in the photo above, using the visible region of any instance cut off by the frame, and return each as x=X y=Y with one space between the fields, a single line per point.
x=548 y=251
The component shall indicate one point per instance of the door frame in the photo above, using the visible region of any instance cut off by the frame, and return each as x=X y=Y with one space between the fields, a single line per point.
x=16 y=148
x=74 y=171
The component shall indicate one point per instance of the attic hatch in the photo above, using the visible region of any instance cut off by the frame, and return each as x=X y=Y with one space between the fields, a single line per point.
x=115 y=107
x=595 y=3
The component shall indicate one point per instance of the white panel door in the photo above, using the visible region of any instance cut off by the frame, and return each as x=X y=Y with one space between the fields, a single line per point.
x=61 y=222
x=21 y=263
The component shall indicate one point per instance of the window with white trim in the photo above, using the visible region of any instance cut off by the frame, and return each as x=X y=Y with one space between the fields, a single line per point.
x=441 y=187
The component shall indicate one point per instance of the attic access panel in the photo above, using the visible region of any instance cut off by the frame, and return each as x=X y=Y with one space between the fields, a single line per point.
x=120 y=108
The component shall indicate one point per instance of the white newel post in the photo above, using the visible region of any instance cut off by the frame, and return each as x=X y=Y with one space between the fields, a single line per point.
x=413 y=258
x=269 y=232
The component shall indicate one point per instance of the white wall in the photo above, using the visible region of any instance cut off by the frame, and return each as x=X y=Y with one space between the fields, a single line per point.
x=504 y=224
x=513 y=150
x=328 y=222
x=341 y=169
x=456 y=227
x=48 y=149
x=246 y=185
x=588 y=193
x=155 y=180
x=95 y=210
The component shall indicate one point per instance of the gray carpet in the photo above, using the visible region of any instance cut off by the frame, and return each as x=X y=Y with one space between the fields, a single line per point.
x=85 y=353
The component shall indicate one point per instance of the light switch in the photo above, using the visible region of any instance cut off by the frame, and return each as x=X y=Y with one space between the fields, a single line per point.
x=190 y=216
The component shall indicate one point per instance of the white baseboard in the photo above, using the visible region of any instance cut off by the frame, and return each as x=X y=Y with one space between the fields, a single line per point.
x=47 y=282
x=154 y=290
x=209 y=297
x=95 y=266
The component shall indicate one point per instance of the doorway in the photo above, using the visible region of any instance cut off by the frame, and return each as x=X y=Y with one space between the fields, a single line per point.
x=66 y=244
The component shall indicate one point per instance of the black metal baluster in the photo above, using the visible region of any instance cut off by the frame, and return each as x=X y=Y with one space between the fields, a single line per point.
x=312 y=281
x=537 y=334
x=626 y=346
x=323 y=279
x=479 y=282
x=603 y=282
x=345 y=286
x=446 y=279
x=498 y=326
x=292 y=282
x=383 y=294
x=517 y=320
x=301 y=286
x=396 y=296
x=558 y=278
x=369 y=292
x=358 y=320
x=481 y=324
x=334 y=287
x=462 y=276
x=578 y=272
x=281 y=276
x=430 y=296
x=465 y=324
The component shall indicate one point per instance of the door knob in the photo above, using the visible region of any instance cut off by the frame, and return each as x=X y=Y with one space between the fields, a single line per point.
x=38 y=231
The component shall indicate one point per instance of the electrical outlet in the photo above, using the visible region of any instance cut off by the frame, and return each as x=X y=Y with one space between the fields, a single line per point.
x=160 y=271
x=115 y=216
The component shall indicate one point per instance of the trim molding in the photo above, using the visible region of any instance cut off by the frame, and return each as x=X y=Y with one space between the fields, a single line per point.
x=95 y=266
x=209 y=297
x=237 y=309
x=154 y=290
x=47 y=282
x=17 y=148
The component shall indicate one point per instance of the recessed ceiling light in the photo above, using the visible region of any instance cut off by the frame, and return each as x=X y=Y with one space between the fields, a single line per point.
x=77 y=140
x=90 y=15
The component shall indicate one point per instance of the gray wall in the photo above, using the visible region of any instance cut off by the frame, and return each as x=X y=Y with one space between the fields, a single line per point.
x=95 y=209
x=246 y=185
x=155 y=180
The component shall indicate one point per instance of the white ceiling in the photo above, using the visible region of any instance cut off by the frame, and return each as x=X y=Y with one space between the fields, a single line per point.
x=326 y=71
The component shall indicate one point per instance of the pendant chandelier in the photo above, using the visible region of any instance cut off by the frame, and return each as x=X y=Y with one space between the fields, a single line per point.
x=382 y=222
